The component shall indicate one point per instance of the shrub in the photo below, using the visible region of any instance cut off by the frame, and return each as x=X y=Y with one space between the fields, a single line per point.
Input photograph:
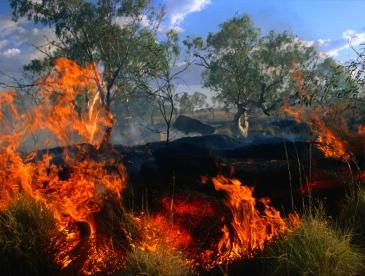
x=26 y=229
x=315 y=248
x=155 y=263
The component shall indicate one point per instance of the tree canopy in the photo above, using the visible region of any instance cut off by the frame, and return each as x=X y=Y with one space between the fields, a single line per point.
x=118 y=36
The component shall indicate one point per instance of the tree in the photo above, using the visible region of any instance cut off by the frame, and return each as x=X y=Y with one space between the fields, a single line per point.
x=185 y=103
x=162 y=82
x=191 y=102
x=250 y=71
x=112 y=34
x=198 y=100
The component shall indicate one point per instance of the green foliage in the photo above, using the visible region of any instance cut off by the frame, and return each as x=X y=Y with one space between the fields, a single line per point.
x=26 y=229
x=111 y=33
x=261 y=72
x=190 y=102
x=158 y=263
x=315 y=248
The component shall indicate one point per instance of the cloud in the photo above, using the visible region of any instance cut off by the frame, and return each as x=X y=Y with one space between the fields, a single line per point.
x=176 y=11
x=350 y=38
x=17 y=45
x=11 y=52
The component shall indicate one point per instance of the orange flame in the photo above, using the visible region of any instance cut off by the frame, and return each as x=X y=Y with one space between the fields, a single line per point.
x=250 y=229
x=71 y=109
x=79 y=196
x=328 y=142
x=244 y=231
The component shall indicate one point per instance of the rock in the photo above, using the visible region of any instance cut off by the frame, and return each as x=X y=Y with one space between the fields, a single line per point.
x=189 y=125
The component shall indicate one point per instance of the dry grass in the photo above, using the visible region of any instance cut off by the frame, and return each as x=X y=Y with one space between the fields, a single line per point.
x=25 y=232
x=353 y=212
x=315 y=248
x=155 y=263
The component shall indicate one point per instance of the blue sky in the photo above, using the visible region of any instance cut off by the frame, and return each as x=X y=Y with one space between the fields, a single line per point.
x=327 y=24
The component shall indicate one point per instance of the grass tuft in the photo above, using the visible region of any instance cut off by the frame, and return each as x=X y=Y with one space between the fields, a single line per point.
x=315 y=248
x=353 y=212
x=155 y=263
x=26 y=229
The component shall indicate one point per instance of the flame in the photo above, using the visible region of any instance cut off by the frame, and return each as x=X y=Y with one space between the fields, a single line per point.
x=328 y=142
x=76 y=191
x=245 y=230
x=84 y=192
x=249 y=230
x=334 y=137
x=179 y=224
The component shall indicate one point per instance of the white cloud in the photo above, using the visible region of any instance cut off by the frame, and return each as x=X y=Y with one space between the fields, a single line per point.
x=176 y=11
x=11 y=52
x=322 y=41
x=17 y=41
x=350 y=38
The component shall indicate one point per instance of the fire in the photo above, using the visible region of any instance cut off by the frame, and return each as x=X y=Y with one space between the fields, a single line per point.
x=76 y=191
x=333 y=135
x=245 y=230
x=249 y=229
x=180 y=224
x=328 y=142
x=84 y=193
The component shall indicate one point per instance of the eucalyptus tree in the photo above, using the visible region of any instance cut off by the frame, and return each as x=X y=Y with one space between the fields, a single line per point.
x=118 y=36
x=170 y=64
x=248 y=70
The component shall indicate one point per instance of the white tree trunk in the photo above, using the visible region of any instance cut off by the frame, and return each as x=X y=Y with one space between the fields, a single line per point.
x=243 y=124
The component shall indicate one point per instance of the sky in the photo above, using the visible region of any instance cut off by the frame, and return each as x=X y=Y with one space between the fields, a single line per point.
x=329 y=25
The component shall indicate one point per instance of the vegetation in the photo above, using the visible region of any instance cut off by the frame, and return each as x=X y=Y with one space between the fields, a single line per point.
x=189 y=103
x=353 y=212
x=117 y=36
x=157 y=263
x=162 y=87
x=26 y=229
x=249 y=71
x=315 y=248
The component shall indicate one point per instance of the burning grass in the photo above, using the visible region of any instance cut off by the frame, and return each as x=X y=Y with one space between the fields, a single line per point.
x=87 y=226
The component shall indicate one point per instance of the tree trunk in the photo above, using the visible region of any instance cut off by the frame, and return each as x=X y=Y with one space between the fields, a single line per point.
x=241 y=121
x=167 y=134
x=109 y=127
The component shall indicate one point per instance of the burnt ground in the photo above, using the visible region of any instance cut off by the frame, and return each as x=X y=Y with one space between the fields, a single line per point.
x=276 y=167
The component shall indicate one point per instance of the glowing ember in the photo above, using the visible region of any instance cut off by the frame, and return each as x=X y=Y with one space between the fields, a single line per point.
x=244 y=229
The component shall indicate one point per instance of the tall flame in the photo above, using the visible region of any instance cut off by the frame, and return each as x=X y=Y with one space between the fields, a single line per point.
x=249 y=229
x=70 y=108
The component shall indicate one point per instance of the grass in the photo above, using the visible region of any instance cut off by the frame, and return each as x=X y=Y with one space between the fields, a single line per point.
x=26 y=229
x=353 y=212
x=315 y=248
x=155 y=263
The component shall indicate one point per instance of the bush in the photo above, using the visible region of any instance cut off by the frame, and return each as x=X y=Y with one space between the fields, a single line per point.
x=315 y=248
x=26 y=229
x=155 y=263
